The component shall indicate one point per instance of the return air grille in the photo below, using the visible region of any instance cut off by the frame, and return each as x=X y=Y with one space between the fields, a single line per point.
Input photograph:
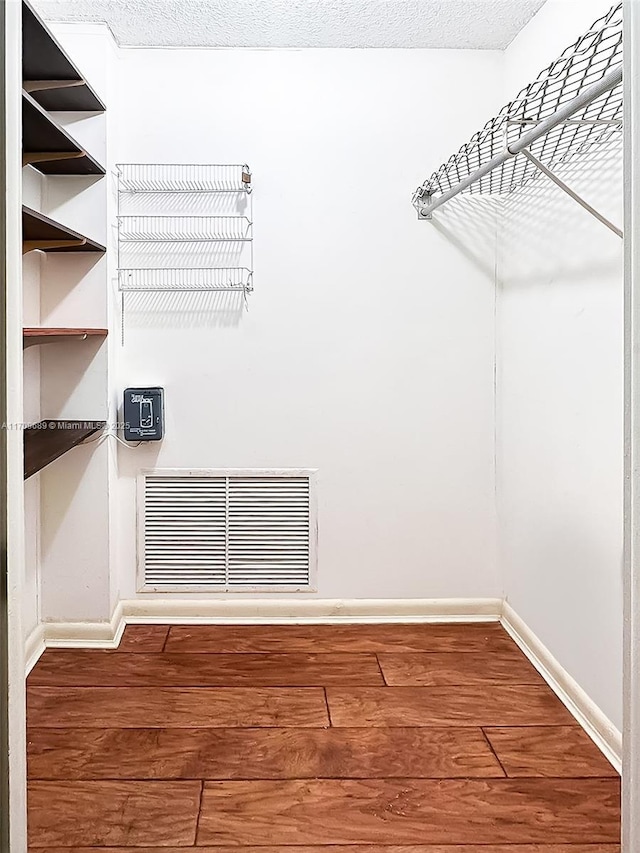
x=226 y=531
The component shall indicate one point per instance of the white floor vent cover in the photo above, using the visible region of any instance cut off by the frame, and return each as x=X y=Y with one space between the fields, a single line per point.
x=225 y=531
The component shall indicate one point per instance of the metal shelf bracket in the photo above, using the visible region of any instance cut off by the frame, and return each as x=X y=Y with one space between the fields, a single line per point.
x=574 y=195
x=423 y=204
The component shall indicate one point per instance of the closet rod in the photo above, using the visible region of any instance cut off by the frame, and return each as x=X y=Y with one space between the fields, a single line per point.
x=612 y=79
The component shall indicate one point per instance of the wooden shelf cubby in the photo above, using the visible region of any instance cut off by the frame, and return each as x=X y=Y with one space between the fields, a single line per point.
x=46 y=441
x=48 y=73
x=47 y=235
x=49 y=148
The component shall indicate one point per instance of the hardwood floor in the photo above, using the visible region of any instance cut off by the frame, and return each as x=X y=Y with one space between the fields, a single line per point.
x=359 y=848
x=97 y=668
x=173 y=707
x=454 y=668
x=310 y=739
x=499 y=705
x=405 y=811
x=267 y=753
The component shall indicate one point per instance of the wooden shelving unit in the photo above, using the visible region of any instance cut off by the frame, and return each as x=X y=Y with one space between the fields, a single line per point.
x=32 y=337
x=48 y=73
x=49 y=148
x=51 y=82
x=48 y=440
x=47 y=235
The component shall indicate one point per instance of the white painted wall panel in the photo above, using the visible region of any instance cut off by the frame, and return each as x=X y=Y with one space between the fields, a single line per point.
x=367 y=350
x=560 y=399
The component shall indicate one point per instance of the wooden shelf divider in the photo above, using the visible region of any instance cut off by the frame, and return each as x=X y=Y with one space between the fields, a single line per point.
x=36 y=336
x=40 y=232
x=48 y=440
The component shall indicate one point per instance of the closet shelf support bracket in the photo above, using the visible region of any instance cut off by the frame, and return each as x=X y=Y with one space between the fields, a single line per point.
x=424 y=211
x=44 y=245
x=571 y=193
x=46 y=85
x=31 y=157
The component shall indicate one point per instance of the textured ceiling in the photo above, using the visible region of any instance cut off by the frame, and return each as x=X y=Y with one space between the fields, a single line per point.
x=479 y=24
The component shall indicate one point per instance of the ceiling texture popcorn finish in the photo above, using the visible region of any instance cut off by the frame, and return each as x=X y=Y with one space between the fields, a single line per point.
x=474 y=24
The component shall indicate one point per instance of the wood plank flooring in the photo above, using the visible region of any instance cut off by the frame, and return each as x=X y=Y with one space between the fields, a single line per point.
x=310 y=739
x=385 y=811
x=358 y=848
x=97 y=668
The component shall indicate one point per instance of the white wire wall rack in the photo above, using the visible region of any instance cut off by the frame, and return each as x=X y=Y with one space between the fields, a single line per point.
x=183 y=178
x=184 y=227
x=573 y=107
x=162 y=280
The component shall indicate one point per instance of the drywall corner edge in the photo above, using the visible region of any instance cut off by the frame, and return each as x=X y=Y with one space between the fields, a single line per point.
x=592 y=719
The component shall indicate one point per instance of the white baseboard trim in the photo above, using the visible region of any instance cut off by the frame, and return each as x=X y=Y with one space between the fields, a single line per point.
x=106 y=635
x=596 y=724
x=74 y=635
x=314 y=611
x=34 y=646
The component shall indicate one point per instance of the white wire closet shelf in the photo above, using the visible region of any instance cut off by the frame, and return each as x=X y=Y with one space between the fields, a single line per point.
x=163 y=279
x=184 y=229
x=183 y=178
x=573 y=107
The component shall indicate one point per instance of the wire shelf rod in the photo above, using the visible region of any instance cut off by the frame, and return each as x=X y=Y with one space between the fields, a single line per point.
x=579 y=121
x=183 y=191
x=612 y=79
x=232 y=288
x=194 y=239
x=599 y=124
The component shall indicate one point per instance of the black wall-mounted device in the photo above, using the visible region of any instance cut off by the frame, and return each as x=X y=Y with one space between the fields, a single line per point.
x=143 y=414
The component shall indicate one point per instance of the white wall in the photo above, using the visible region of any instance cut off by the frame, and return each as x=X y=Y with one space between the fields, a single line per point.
x=368 y=347
x=560 y=396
